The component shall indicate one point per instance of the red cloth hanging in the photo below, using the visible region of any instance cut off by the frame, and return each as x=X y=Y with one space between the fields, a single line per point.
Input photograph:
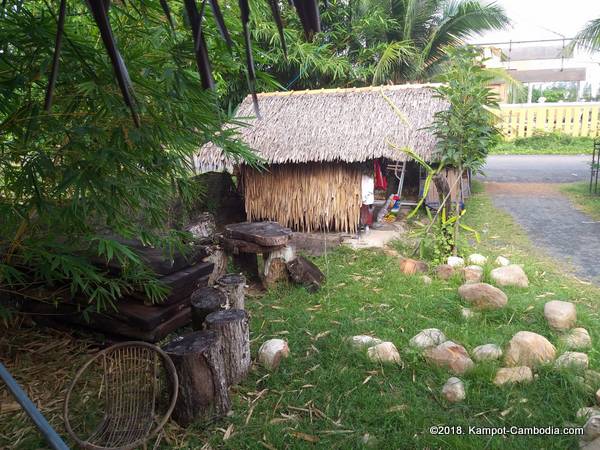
x=380 y=180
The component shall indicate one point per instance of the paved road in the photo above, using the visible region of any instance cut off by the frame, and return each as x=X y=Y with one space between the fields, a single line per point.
x=537 y=168
x=524 y=186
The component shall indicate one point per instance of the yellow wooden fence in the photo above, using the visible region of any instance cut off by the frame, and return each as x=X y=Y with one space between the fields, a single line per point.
x=576 y=119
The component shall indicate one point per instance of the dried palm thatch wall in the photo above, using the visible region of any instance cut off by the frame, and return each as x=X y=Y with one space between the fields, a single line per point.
x=305 y=197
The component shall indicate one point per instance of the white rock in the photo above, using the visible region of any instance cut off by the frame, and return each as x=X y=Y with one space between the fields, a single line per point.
x=487 y=352
x=574 y=360
x=477 y=259
x=454 y=390
x=587 y=412
x=577 y=339
x=511 y=275
x=598 y=396
x=386 y=352
x=426 y=279
x=455 y=261
x=529 y=349
x=519 y=374
x=560 y=315
x=362 y=341
x=473 y=274
x=591 y=445
x=271 y=352
x=591 y=429
x=501 y=261
x=429 y=337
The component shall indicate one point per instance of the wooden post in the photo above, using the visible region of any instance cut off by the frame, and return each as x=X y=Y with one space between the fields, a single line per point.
x=275 y=268
x=232 y=326
x=233 y=286
x=204 y=301
x=202 y=380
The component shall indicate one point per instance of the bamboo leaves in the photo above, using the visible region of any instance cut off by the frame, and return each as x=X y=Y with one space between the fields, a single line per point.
x=307 y=10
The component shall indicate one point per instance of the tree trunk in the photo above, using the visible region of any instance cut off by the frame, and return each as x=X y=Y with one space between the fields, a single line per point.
x=457 y=212
x=233 y=286
x=232 y=326
x=204 y=301
x=202 y=381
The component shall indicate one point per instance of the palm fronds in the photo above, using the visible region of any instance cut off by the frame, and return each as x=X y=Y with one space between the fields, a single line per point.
x=393 y=56
x=589 y=37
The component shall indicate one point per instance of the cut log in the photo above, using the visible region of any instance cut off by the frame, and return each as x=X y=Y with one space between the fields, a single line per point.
x=204 y=301
x=306 y=273
x=266 y=234
x=202 y=383
x=275 y=269
x=232 y=326
x=233 y=286
x=218 y=258
x=202 y=227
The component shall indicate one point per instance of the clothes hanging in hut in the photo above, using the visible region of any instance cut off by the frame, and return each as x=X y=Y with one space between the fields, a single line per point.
x=368 y=189
x=380 y=180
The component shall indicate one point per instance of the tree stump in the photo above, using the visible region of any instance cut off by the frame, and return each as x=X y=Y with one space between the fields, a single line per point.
x=275 y=269
x=233 y=286
x=232 y=326
x=202 y=380
x=219 y=258
x=204 y=301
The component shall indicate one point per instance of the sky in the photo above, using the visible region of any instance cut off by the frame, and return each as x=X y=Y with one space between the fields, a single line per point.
x=543 y=19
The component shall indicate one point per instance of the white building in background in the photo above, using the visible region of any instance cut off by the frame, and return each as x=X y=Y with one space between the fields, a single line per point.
x=542 y=65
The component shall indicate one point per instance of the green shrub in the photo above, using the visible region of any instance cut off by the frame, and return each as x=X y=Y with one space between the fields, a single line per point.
x=546 y=143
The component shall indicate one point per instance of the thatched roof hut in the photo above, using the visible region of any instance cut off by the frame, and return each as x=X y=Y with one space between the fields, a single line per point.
x=313 y=142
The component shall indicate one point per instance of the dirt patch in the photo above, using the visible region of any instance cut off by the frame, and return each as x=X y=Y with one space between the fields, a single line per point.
x=527 y=189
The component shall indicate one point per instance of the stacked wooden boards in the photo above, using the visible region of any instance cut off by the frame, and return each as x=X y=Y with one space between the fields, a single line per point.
x=134 y=317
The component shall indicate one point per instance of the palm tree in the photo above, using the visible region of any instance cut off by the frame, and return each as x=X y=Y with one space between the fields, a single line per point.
x=589 y=37
x=415 y=48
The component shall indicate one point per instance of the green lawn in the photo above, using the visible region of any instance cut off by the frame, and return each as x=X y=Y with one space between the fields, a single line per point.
x=545 y=144
x=329 y=394
x=580 y=195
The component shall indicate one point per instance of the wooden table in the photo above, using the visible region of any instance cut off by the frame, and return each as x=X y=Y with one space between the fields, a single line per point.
x=245 y=240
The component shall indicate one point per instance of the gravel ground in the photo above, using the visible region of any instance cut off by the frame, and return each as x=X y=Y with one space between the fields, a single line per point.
x=524 y=187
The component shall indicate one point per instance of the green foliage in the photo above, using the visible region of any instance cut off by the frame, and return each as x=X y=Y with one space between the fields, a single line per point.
x=432 y=27
x=370 y=41
x=546 y=143
x=580 y=195
x=437 y=243
x=75 y=176
x=466 y=130
x=589 y=37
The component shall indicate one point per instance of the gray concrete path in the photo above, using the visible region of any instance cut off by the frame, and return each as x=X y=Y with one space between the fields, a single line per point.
x=525 y=187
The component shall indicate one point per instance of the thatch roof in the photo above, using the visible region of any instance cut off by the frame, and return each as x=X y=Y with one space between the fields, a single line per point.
x=348 y=125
